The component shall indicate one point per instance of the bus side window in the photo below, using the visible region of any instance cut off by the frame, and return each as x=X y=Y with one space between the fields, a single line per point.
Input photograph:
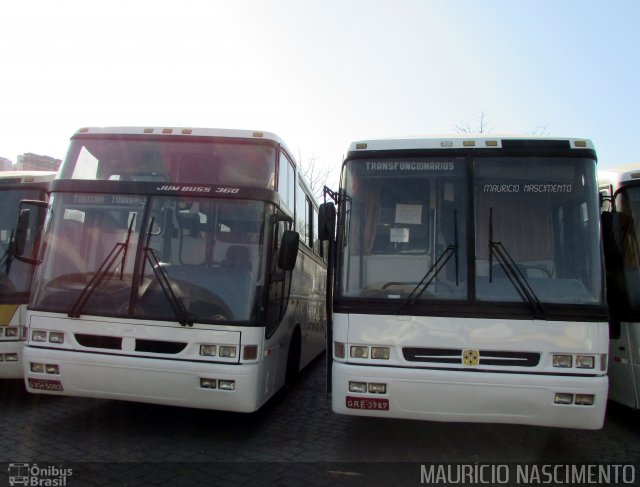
x=286 y=182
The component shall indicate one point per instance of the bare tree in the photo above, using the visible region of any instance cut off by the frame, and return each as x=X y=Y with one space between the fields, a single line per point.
x=483 y=125
x=541 y=130
x=315 y=175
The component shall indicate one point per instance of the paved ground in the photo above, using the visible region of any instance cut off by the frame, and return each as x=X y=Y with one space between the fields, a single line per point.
x=293 y=439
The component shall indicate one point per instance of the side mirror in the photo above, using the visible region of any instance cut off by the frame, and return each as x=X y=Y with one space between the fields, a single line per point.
x=288 y=250
x=31 y=215
x=612 y=236
x=22 y=232
x=326 y=221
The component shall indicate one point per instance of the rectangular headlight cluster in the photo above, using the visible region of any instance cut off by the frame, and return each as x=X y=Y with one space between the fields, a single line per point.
x=220 y=384
x=371 y=388
x=38 y=368
x=577 y=399
x=9 y=331
x=42 y=336
x=376 y=353
x=567 y=361
x=222 y=351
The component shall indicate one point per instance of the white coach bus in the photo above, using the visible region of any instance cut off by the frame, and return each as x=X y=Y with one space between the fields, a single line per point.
x=469 y=282
x=620 y=202
x=179 y=267
x=15 y=275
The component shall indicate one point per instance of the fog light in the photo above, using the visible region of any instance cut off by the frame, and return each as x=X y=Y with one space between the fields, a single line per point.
x=208 y=383
x=227 y=352
x=563 y=398
x=37 y=368
x=359 y=352
x=11 y=357
x=39 y=336
x=381 y=353
x=250 y=352
x=227 y=385
x=208 y=350
x=585 y=361
x=360 y=387
x=56 y=337
x=585 y=399
x=338 y=349
x=378 y=388
x=12 y=331
x=52 y=369
x=563 y=361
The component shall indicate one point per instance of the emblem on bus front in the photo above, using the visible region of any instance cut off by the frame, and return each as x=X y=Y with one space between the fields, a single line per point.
x=470 y=358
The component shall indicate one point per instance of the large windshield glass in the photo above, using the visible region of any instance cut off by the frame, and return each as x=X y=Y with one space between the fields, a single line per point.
x=403 y=218
x=14 y=275
x=153 y=257
x=628 y=204
x=405 y=234
x=537 y=219
x=179 y=161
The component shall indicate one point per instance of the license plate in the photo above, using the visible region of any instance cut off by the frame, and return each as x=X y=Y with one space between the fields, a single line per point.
x=46 y=385
x=370 y=403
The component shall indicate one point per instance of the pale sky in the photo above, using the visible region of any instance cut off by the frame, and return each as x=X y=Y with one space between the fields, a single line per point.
x=321 y=73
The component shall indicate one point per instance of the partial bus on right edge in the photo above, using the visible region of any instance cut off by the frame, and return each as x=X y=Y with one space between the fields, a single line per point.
x=620 y=204
x=469 y=282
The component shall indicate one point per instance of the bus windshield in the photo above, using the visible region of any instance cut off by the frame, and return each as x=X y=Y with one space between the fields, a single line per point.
x=170 y=258
x=14 y=274
x=628 y=204
x=202 y=161
x=407 y=222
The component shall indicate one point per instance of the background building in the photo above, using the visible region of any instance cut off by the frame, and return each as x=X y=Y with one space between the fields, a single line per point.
x=34 y=162
x=5 y=164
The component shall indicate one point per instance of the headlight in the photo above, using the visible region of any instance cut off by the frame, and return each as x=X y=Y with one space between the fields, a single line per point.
x=208 y=350
x=39 y=336
x=381 y=353
x=585 y=361
x=359 y=352
x=226 y=351
x=563 y=361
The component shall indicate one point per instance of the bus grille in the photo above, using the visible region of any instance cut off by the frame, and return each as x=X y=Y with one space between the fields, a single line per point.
x=486 y=357
x=115 y=343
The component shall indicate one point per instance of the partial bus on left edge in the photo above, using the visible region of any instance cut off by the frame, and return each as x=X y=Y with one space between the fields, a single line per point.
x=15 y=275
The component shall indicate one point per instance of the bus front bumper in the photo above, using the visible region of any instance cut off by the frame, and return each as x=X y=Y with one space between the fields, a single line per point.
x=464 y=396
x=11 y=359
x=168 y=382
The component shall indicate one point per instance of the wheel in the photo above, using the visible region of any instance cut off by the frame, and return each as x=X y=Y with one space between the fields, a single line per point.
x=293 y=361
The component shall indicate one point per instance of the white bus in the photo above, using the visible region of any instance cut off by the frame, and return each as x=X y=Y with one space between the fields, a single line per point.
x=171 y=272
x=620 y=202
x=469 y=282
x=15 y=275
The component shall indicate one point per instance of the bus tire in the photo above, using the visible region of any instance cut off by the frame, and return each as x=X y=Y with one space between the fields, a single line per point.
x=293 y=360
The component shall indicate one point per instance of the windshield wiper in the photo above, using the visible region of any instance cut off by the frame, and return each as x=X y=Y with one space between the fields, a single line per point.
x=182 y=315
x=513 y=273
x=101 y=273
x=7 y=257
x=434 y=270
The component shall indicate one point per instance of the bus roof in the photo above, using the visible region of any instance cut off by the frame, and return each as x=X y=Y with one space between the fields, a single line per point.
x=10 y=177
x=616 y=176
x=181 y=131
x=467 y=141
